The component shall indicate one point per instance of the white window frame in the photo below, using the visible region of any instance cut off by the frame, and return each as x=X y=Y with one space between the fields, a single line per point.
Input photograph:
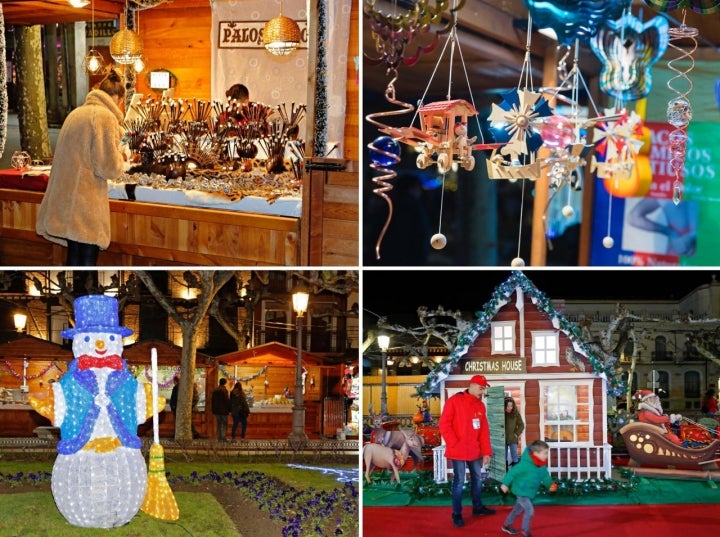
x=543 y=355
x=507 y=339
x=574 y=423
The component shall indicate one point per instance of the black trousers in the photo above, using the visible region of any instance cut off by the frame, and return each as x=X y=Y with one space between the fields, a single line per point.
x=80 y=254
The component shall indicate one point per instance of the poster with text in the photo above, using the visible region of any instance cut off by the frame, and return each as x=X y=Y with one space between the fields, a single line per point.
x=654 y=231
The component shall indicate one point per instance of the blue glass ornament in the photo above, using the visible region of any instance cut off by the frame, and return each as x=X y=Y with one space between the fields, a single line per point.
x=385 y=151
x=574 y=19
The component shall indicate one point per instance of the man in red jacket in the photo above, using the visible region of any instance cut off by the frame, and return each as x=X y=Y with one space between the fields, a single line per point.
x=464 y=428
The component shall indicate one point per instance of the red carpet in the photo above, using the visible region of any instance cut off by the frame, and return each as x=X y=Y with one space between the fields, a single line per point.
x=682 y=520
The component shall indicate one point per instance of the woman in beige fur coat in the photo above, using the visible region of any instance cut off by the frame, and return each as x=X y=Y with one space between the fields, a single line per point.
x=75 y=210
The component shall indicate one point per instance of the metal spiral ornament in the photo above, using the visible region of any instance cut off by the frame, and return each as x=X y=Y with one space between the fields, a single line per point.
x=679 y=111
x=385 y=152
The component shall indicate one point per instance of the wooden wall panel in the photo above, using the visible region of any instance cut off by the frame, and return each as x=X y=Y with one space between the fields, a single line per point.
x=177 y=38
x=352 y=94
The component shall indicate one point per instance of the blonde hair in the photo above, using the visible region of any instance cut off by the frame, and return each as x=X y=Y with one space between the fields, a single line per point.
x=112 y=84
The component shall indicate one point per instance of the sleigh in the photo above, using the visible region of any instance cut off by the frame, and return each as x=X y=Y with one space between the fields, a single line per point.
x=648 y=445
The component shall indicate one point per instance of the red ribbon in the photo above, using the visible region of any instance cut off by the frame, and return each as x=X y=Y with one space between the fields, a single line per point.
x=86 y=362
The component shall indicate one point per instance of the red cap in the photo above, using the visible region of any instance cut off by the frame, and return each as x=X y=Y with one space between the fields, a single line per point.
x=480 y=380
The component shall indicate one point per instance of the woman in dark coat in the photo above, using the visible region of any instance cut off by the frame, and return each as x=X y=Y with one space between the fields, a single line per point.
x=514 y=426
x=239 y=409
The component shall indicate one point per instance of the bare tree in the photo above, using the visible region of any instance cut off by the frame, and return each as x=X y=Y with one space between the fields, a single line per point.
x=208 y=283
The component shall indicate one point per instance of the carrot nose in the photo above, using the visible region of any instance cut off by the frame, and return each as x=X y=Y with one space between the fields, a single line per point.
x=100 y=344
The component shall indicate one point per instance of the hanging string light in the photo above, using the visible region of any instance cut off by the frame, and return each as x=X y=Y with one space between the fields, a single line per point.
x=139 y=64
x=94 y=62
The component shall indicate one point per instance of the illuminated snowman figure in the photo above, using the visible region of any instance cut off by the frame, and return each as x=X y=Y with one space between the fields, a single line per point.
x=100 y=477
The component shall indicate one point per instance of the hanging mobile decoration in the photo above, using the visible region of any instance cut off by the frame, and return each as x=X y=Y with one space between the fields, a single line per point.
x=442 y=137
x=392 y=34
x=515 y=123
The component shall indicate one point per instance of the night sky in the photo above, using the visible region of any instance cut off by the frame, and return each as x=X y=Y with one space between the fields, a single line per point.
x=389 y=292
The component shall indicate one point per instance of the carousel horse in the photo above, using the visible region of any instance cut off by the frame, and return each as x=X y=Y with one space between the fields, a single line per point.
x=380 y=456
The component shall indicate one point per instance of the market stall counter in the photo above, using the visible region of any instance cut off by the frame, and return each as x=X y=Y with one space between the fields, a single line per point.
x=166 y=223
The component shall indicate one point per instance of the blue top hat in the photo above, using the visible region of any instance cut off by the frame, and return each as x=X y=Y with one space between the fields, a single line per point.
x=96 y=313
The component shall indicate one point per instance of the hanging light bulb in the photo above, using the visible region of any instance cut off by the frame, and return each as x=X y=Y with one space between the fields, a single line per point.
x=79 y=3
x=139 y=64
x=94 y=61
x=281 y=35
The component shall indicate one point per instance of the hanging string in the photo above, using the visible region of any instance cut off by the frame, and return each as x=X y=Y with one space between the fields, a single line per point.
x=522 y=209
x=442 y=201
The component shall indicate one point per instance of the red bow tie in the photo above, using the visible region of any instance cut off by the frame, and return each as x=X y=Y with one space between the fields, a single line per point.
x=86 y=362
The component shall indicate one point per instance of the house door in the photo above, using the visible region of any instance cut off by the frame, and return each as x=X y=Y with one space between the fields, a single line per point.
x=495 y=403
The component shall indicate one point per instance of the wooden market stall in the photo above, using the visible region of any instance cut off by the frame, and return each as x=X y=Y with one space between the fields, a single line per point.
x=35 y=363
x=267 y=373
x=27 y=365
x=318 y=224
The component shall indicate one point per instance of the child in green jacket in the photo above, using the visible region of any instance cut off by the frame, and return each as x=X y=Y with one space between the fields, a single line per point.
x=523 y=480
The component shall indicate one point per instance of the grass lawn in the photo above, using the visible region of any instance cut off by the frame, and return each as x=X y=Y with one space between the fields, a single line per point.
x=277 y=497
x=34 y=514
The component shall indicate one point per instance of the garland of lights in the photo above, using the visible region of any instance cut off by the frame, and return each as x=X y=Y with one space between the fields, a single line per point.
x=9 y=368
x=241 y=379
x=500 y=296
x=169 y=382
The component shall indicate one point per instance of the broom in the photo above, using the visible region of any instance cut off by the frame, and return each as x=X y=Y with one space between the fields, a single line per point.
x=159 y=498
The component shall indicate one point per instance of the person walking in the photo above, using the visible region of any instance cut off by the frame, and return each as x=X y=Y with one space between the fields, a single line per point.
x=524 y=480
x=220 y=405
x=465 y=430
x=239 y=409
x=514 y=426
x=75 y=209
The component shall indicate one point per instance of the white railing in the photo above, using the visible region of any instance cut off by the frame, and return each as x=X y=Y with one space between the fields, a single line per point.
x=439 y=464
x=578 y=463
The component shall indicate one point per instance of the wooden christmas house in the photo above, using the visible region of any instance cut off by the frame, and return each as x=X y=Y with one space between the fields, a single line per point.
x=530 y=351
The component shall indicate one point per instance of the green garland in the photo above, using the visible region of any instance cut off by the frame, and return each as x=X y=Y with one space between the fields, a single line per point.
x=321 y=105
x=501 y=296
x=421 y=484
x=3 y=87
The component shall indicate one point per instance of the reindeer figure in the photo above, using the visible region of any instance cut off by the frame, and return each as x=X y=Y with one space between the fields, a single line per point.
x=396 y=438
x=380 y=456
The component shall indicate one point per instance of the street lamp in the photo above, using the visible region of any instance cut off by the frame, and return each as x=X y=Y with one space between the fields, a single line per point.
x=383 y=342
x=20 y=320
x=298 y=438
